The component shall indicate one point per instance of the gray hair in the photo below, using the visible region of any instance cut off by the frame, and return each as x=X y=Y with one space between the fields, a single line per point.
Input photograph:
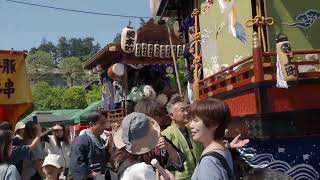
x=175 y=98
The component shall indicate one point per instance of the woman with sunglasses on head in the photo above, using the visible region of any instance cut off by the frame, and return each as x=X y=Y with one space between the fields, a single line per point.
x=210 y=118
x=7 y=171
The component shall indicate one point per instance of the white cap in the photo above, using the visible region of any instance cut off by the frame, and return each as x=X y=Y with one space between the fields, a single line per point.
x=57 y=127
x=19 y=125
x=54 y=160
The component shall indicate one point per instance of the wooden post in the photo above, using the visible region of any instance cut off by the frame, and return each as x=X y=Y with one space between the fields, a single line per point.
x=257 y=59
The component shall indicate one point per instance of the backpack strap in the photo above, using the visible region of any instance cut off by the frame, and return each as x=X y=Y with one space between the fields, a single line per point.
x=222 y=160
x=5 y=173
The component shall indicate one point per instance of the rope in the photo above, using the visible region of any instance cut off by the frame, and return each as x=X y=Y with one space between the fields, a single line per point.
x=260 y=21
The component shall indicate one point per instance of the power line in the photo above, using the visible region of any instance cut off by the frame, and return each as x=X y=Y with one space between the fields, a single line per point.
x=78 y=11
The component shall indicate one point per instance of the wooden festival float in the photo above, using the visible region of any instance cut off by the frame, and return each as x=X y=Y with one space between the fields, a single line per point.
x=243 y=55
x=149 y=51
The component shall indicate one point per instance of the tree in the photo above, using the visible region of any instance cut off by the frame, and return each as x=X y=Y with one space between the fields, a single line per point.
x=87 y=46
x=72 y=69
x=63 y=48
x=142 y=22
x=117 y=39
x=75 y=46
x=94 y=94
x=49 y=47
x=45 y=97
x=96 y=48
x=38 y=64
x=74 y=98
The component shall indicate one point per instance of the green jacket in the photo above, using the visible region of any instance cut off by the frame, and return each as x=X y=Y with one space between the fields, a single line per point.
x=174 y=134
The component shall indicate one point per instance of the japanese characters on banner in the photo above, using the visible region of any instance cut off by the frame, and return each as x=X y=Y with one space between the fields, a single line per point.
x=14 y=83
x=158 y=50
x=128 y=39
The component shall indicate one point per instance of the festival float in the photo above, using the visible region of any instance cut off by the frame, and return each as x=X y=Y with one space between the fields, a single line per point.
x=15 y=92
x=262 y=58
x=128 y=69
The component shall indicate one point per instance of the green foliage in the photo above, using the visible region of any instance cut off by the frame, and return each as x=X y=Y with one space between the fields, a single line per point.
x=74 y=98
x=94 y=94
x=72 y=69
x=38 y=64
x=117 y=39
x=67 y=48
x=45 y=97
x=181 y=73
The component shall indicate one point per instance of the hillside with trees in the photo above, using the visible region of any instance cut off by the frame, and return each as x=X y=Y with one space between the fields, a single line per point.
x=57 y=76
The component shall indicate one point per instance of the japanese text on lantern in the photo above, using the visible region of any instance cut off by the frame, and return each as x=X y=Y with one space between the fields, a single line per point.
x=130 y=40
x=7 y=66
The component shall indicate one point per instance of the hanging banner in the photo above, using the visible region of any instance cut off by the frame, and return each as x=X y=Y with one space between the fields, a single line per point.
x=14 y=82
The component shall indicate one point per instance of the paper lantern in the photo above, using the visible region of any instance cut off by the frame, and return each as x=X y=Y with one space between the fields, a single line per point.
x=176 y=29
x=116 y=71
x=174 y=48
x=99 y=67
x=183 y=48
x=138 y=50
x=179 y=50
x=169 y=70
x=162 y=51
x=94 y=70
x=156 y=49
x=150 y=50
x=144 y=50
x=128 y=39
x=168 y=51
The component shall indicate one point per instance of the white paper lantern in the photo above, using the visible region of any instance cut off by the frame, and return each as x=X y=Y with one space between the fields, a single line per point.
x=99 y=67
x=144 y=49
x=94 y=70
x=137 y=52
x=150 y=50
x=128 y=39
x=174 y=48
x=183 y=48
x=176 y=28
x=156 y=49
x=179 y=50
x=168 y=51
x=162 y=51
x=169 y=70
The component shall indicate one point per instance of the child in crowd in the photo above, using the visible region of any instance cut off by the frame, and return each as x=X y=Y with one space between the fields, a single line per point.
x=52 y=166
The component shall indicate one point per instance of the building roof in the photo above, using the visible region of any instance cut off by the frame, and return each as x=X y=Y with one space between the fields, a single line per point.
x=148 y=33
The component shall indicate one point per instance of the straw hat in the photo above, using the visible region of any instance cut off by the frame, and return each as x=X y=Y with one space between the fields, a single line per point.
x=138 y=134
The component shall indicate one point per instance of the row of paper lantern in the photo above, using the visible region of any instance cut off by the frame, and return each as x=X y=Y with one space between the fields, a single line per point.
x=157 y=50
x=96 y=69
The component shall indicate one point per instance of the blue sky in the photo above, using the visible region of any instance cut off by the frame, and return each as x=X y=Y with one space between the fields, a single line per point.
x=22 y=26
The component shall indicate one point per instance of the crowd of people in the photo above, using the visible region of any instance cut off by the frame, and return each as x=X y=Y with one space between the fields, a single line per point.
x=173 y=141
